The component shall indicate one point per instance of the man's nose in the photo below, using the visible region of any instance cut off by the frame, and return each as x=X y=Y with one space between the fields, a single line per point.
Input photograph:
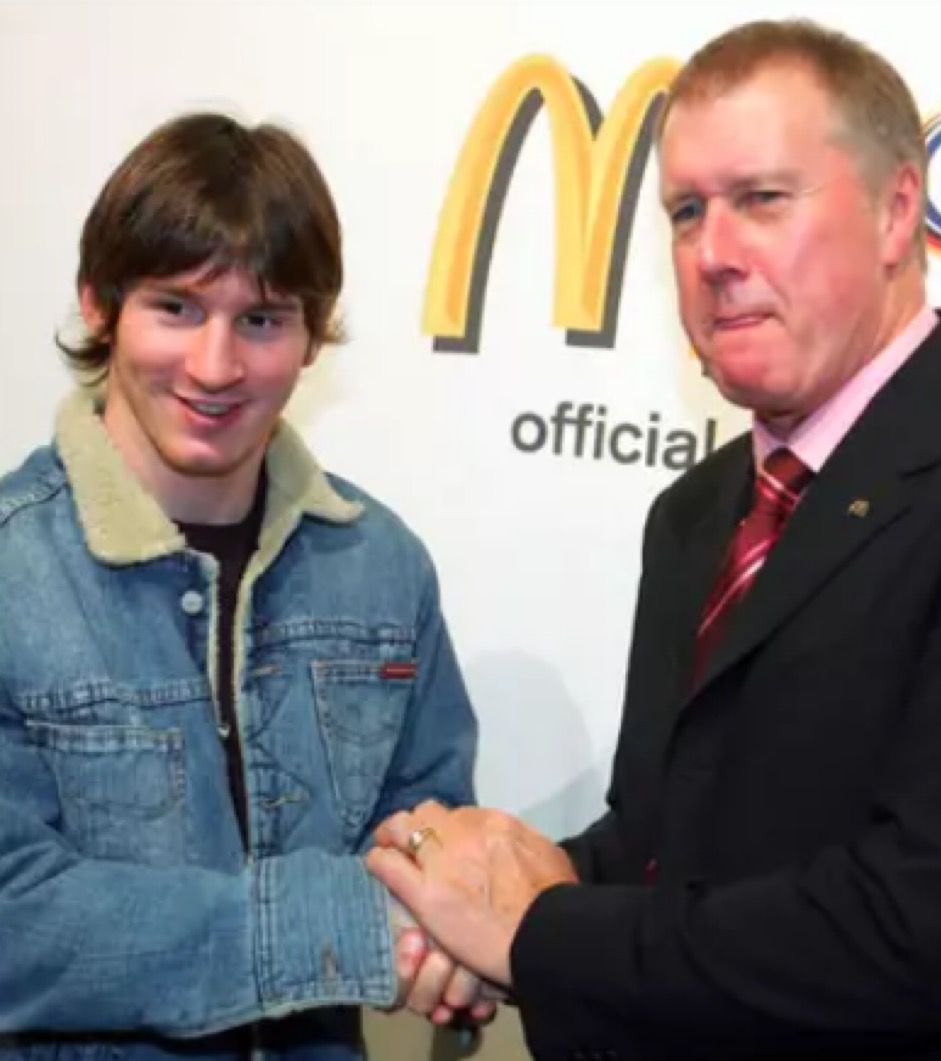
x=721 y=245
x=214 y=360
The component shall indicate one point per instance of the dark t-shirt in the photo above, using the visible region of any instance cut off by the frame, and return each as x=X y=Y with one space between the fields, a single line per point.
x=232 y=545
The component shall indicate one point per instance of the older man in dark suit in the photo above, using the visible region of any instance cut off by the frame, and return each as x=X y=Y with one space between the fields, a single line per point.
x=767 y=881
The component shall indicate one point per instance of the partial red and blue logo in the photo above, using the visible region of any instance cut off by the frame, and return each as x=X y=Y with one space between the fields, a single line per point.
x=932 y=129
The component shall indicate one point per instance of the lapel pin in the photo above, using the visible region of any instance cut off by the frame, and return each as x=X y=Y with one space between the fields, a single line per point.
x=859 y=508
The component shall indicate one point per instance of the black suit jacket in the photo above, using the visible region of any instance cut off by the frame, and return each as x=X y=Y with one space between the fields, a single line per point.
x=792 y=801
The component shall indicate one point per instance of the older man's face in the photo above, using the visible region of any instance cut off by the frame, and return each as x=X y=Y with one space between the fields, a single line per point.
x=782 y=253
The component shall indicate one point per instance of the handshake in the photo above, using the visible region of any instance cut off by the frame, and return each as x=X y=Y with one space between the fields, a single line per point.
x=464 y=878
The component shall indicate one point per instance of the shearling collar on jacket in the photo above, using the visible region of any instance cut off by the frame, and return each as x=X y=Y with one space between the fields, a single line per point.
x=123 y=524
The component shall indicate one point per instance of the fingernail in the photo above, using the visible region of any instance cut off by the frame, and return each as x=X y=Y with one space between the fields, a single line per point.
x=411 y=945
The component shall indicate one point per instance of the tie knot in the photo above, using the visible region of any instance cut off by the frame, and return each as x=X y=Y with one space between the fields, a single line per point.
x=783 y=478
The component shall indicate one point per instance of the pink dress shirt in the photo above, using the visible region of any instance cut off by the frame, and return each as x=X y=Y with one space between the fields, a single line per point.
x=814 y=439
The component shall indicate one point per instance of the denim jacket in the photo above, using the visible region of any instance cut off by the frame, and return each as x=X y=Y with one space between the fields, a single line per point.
x=132 y=922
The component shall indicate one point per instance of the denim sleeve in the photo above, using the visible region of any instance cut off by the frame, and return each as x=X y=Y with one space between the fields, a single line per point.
x=434 y=757
x=105 y=945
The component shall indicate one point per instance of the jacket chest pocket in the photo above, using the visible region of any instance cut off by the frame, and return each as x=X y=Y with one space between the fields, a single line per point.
x=121 y=788
x=361 y=707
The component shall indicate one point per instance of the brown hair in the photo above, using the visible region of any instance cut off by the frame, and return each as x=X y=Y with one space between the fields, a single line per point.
x=203 y=189
x=880 y=120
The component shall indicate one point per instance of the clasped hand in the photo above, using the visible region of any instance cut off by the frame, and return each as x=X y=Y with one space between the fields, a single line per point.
x=468 y=885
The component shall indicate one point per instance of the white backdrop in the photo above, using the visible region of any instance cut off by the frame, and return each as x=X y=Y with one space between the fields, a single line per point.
x=537 y=551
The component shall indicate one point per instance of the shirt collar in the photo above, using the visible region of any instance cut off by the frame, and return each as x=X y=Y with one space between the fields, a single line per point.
x=816 y=437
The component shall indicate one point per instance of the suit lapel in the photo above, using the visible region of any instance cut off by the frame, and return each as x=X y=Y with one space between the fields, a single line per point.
x=862 y=488
x=824 y=533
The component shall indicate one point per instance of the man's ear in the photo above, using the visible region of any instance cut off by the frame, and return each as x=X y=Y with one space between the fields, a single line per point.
x=903 y=206
x=92 y=313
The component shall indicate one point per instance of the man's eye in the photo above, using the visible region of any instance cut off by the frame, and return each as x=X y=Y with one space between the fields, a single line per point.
x=762 y=196
x=685 y=214
x=173 y=308
x=262 y=322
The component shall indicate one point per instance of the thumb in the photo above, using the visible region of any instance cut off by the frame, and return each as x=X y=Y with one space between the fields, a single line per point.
x=399 y=874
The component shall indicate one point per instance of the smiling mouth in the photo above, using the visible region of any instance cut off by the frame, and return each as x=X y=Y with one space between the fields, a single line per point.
x=214 y=410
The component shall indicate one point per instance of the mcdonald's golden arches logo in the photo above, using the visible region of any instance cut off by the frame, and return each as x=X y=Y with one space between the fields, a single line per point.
x=599 y=163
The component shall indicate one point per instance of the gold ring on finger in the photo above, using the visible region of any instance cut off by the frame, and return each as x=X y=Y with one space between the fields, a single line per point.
x=418 y=836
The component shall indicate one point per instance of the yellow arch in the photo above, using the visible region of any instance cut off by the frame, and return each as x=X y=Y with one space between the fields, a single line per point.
x=589 y=177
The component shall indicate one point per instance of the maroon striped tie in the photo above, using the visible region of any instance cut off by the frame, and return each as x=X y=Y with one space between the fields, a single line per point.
x=778 y=487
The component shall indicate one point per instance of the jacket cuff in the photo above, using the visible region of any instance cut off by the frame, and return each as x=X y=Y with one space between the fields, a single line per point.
x=324 y=936
x=569 y=963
